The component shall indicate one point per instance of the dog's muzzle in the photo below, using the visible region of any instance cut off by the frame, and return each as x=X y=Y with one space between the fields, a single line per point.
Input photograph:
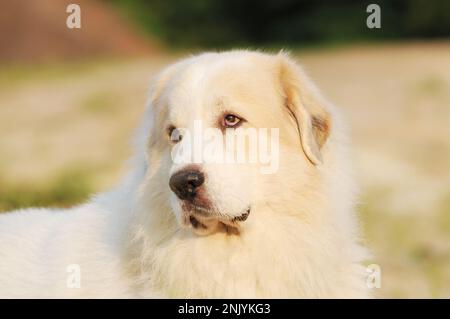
x=198 y=211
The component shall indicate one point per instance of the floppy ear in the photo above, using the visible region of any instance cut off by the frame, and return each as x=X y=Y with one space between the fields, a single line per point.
x=305 y=105
x=143 y=132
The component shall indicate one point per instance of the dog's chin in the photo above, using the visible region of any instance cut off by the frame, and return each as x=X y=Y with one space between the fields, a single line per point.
x=205 y=222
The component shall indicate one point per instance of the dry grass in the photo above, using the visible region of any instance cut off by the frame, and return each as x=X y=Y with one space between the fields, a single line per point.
x=64 y=133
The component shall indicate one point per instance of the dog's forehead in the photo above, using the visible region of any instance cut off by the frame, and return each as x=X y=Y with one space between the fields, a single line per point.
x=204 y=87
x=186 y=93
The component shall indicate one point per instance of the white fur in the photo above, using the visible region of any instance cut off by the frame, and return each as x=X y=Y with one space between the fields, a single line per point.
x=300 y=240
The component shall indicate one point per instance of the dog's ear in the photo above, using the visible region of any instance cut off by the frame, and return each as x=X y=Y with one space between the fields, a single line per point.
x=142 y=140
x=158 y=84
x=305 y=105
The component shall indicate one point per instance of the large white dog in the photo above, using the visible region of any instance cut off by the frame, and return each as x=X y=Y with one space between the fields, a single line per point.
x=207 y=229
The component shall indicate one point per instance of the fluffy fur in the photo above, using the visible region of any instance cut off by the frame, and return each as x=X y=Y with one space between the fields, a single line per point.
x=300 y=239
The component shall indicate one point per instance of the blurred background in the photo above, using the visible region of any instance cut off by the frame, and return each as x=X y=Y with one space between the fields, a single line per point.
x=70 y=98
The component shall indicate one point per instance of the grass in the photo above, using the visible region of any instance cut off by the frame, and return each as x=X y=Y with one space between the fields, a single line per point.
x=431 y=85
x=412 y=244
x=100 y=103
x=70 y=187
x=12 y=75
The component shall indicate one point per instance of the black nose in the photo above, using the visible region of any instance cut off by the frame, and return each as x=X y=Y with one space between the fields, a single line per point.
x=185 y=183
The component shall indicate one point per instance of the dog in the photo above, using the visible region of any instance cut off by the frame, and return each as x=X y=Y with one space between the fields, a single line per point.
x=204 y=229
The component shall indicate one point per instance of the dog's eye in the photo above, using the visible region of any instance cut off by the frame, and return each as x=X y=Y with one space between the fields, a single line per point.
x=231 y=120
x=174 y=134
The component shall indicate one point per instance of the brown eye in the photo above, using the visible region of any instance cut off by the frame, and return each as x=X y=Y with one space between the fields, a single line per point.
x=231 y=120
x=174 y=134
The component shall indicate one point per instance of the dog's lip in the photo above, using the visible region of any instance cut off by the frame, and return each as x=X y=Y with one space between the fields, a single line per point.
x=198 y=217
x=243 y=216
x=199 y=210
x=209 y=213
x=196 y=223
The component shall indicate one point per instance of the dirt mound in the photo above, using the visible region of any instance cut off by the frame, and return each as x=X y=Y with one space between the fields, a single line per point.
x=36 y=30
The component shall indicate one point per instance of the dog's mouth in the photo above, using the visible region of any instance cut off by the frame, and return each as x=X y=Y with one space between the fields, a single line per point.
x=204 y=221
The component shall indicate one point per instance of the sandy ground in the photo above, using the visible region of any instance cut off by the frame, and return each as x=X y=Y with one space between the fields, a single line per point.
x=78 y=118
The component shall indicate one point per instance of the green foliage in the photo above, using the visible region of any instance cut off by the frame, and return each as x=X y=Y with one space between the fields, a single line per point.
x=222 y=23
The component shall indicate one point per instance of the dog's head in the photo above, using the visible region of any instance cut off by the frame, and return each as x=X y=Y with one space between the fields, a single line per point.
x=199 y=106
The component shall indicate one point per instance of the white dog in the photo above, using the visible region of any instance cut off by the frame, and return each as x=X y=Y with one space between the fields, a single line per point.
x=205 y=229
